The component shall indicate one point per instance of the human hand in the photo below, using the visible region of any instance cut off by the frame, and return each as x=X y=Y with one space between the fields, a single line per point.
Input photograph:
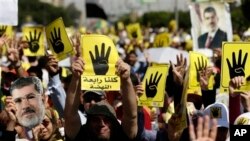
x=179 y=69
x=78 y=67
x=13 y=52
x=123 y=69
x=151 y=85
x=52 y=65
x=237 y=69
x=100 y=61
x=36 y=131
x=203 y=132
x=235 y=83
x=205 y=75
x=33 y=41
x=56 y=41
x=10 y=109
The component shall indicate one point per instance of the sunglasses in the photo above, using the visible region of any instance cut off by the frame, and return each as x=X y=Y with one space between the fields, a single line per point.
x=92 y=97
x=45 y=122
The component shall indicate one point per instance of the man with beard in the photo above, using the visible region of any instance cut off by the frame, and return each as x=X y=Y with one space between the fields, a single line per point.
x=215 y=36
x=26 y=106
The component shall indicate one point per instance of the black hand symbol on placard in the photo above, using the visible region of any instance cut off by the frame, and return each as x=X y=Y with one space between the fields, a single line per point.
x=2 y=30
x=151 y=85
x=56 y=41
x=237 y=68
x=134 y=33
x=160 y=43
x=100 y=61
x=202 y=64
x=33 y=41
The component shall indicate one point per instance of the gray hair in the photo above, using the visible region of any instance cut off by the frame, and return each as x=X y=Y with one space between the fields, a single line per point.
x=25 y=81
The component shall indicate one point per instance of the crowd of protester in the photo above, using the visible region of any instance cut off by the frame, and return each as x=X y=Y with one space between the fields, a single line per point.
x=44 y=101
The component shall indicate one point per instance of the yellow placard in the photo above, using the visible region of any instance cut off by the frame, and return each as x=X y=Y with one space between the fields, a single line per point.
x=134 y=31
x=235 y=62
x=154 y=83
x=7 y=30
x=100 y=55
x=120 y=25
x=162 y=40
x=198 y=62
x=35 y=38
x=58 y=39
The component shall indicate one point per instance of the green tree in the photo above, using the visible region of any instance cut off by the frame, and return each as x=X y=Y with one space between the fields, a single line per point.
x=43 y=13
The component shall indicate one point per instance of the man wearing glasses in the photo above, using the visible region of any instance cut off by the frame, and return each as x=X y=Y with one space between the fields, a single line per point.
x=26 y=106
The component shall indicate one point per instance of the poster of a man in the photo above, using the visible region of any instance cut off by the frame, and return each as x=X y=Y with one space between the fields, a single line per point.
x=211 y=25
x=215 y=36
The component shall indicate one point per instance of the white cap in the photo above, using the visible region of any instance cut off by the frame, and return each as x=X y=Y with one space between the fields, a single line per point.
x=218 y=111
x=243 y=119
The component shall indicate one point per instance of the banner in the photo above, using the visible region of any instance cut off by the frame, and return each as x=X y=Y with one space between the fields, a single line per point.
x=154 y=83
x=9 y=12
x=235 y=62
x=35 y=38
x=211 y=24
x=58 y=39
x=100 y=56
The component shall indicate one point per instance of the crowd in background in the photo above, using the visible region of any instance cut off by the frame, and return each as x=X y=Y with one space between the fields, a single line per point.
x=31 y=84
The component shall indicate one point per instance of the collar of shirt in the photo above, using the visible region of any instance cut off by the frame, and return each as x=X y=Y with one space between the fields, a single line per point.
x=212 y=34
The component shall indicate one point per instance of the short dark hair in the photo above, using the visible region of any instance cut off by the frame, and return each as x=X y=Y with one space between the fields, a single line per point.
x=26 y=81
x=210 y=9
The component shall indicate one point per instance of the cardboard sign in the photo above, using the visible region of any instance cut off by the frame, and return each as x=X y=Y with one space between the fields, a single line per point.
x=235 y=62
x=58 y=40
x=7 y=30
x=100 y=55
x=198 y=62
x=162 y=40
x=154 y=83
x=134 y=31
x=35 y=38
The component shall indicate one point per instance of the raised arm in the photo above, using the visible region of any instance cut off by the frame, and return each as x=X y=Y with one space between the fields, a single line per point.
x=55 y=87
x=14 y=47
x=72 y=118
x=129 y=119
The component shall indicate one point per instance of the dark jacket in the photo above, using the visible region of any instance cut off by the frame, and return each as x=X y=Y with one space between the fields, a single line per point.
x=219 y=37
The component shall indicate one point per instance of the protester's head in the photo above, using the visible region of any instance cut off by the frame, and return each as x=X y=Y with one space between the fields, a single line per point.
x=101 y=121
x=49 y=126
x=131 y=58
x=7 y=79
x=90 y=98
x=219 y=111
x=243 y=119
x=27 y=93
x=211 y=19
x=35 y=71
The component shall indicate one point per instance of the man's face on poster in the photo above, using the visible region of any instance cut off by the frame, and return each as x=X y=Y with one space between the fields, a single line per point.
x=211 y=20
